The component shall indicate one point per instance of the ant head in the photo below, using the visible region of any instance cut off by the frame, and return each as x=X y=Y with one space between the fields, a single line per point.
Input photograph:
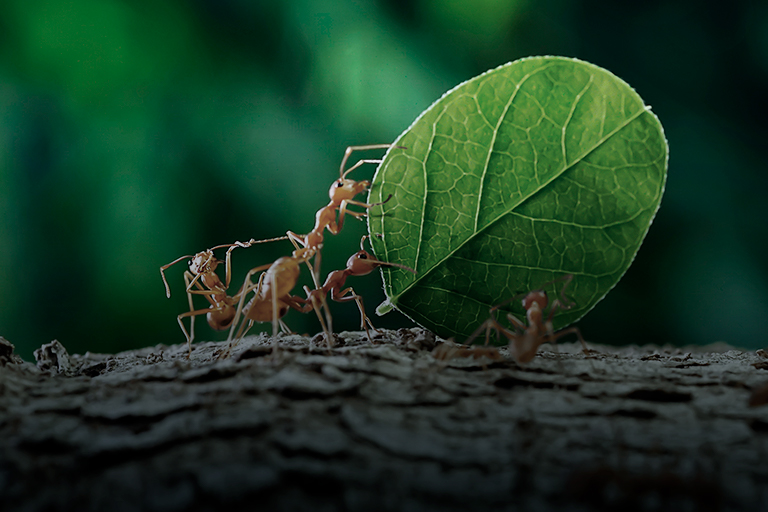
x=203 y=262
x=362 y=263
x=346 y=189
x=538 y=297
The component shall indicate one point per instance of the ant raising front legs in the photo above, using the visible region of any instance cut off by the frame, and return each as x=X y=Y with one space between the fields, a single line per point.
x=359 y=264
x=201 y=279
x=342 y=194
x=524 y=340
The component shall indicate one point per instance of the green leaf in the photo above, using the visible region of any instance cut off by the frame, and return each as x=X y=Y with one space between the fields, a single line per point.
x=542 y=167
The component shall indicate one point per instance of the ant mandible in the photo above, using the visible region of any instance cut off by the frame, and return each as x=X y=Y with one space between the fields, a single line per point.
x=201 y=279
x=525 y=340
x=359 y=264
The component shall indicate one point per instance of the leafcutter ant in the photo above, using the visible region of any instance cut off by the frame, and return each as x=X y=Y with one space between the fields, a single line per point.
x=524 y=340
x=201 y=279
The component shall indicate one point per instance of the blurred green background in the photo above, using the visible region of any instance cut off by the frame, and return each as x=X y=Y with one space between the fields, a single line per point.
x=132 y=133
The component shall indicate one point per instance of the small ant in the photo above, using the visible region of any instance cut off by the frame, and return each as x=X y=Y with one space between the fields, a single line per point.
x=201 y=279
x=359 y=264
x=525 y=340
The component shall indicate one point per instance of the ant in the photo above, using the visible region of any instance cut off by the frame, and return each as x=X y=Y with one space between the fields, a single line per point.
x=201 y=279
x=342 y=194
x=359 y=264
x=525 y=340
x=272 y=295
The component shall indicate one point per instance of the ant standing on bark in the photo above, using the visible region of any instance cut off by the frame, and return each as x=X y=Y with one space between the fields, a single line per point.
x=525 y=340
x=272 y=298
x=201 y=279
x=272 y=295
x=359 y=264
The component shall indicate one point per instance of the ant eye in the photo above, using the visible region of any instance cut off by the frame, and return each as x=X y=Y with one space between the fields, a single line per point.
x=339 y=184
x=362 y=256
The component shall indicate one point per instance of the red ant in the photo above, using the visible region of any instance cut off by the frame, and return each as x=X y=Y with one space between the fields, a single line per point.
x=525 y=340
x=359 y=264
x=342 y=194
x=272 y=294
x=201 y=279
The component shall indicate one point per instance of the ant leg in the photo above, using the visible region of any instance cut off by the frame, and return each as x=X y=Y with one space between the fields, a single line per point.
x=358 y=164
x=343 y=211
x=344 y=296
x=551 y=337
x=518 y=324
x=487 y=325
x=324 y=303
x=316 y=279
x=275 y=318
x=311 y=302
x=350 y=149
x=365 y=205
x=299 y=243
x=240 y=334
x=228 y=266
x=571 y=330
x=249 y=243
x=247 y=287
x=565 y=303
x=191 y=308
x=165 y=267
x=192 y=314
x=342 y=214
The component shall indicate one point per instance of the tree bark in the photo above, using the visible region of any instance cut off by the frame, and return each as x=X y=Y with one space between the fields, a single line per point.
x=383 y=426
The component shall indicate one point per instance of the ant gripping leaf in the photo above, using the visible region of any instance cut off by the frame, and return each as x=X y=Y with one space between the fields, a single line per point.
x=540 y=168
x=359 y=264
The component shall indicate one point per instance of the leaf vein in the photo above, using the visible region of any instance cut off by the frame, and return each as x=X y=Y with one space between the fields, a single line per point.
x=503 y=115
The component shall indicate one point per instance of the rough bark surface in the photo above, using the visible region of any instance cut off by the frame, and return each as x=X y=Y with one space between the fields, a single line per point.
x=383 y=427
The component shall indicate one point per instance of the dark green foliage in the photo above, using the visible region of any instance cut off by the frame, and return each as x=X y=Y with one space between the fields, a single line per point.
x=134 y=132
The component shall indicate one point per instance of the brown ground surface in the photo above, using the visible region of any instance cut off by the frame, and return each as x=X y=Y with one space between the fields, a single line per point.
x=383 y=427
